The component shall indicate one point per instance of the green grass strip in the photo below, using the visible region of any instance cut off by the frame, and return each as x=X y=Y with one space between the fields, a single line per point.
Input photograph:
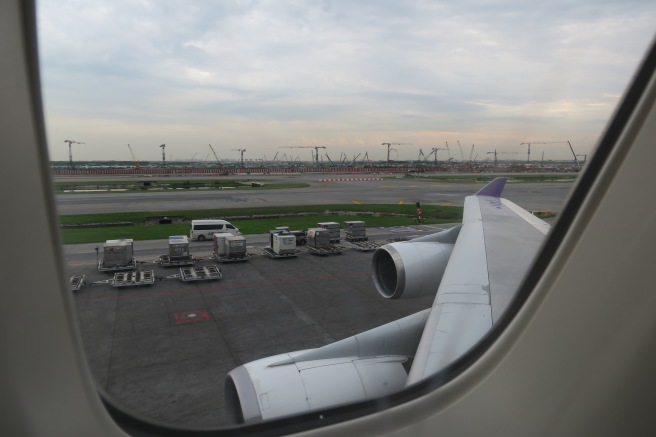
x=433 y=214
x=441 y=212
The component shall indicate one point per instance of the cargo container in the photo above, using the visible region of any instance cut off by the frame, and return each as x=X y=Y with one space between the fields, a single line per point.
x=235 y=247
x=333 y=228
x=178 y=252
x=318 y=237
x=220 y=243
x=117 y=255
x=284 y=244
x=178 y=247
x=355 y=230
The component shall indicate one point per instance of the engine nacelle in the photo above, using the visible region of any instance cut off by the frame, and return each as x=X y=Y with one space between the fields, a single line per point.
x=413 y=268
x=365 y=366
x=261 y=390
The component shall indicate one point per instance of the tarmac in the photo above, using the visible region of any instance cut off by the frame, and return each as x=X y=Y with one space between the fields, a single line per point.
x=163 y=350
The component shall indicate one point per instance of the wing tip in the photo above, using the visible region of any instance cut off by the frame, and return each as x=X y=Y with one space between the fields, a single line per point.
x=494 y=188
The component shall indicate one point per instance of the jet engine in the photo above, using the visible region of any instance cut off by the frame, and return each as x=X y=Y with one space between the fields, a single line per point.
x=368 y=365
x=413 y=268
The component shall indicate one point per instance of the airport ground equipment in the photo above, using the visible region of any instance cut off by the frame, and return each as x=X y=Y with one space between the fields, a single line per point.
x=199 y=273
x=130 y=279
x=229 y=248
x=364 y=246
x=319 y=242
x=355 y=231
x=333 y=229
x=267 y=251
x=235 y=249
x=117 y=255
x=328 y=250
x=318 y=238
x=301 y=235
x=282 y=244
x=178 y=253
x=77 y=281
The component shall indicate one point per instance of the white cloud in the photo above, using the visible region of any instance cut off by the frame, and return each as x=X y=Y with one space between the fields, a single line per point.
x=262 y=73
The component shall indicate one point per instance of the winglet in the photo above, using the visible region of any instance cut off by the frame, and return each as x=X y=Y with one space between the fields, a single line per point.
x=493 y=189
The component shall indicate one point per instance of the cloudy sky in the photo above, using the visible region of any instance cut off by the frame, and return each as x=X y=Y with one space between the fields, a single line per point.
x=348 y=75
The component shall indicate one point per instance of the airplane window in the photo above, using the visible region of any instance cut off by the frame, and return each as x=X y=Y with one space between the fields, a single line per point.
x=391 y=171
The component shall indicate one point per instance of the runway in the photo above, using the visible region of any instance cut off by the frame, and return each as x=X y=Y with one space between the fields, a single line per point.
x=530 y=196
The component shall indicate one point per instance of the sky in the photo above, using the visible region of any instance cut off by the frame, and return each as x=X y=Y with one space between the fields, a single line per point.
x=265 y=76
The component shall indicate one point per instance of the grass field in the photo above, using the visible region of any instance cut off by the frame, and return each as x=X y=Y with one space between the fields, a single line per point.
x=251 y=220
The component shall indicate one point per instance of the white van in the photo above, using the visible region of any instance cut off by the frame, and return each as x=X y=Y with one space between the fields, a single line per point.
x=204 y=229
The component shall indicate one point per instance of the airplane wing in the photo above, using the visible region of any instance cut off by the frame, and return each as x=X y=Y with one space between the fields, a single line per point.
x=495 y=247
x=475 y=270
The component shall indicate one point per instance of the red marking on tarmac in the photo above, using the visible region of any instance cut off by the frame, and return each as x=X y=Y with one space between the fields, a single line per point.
x=191 y=317
x=312 y=279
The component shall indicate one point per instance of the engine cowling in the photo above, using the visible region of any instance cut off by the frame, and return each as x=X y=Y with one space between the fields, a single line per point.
x=258 y=391
x=368 y=365
x=413 y=268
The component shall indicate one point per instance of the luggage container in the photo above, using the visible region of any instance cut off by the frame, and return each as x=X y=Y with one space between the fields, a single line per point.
x=355 y=231
x=220 y=243
x=284 y=244
x=178 y=252
x=230 y=248
x=235 y=247
x=118 y=255
x=280 y=241
x=333 y=228
x=318 y=237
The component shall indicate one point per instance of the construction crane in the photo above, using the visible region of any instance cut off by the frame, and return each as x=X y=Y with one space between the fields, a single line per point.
x=342 y=158
x=366 y=156
x=471 y=152
x=163 y=146
x=389 y=148
x=576 y=161
x=332 y=164
x=241 y=154
x=448 y=152
x=213 y=152
x=462 y=155
x=499 y=153
x=434 y=153
x=70 y=152
x=528 y=156
x=355 y=157
x=315 y=155
x=134 y=158
x=421 y=153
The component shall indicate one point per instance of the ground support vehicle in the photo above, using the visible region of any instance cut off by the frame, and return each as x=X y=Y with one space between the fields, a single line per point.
x=301 y=237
